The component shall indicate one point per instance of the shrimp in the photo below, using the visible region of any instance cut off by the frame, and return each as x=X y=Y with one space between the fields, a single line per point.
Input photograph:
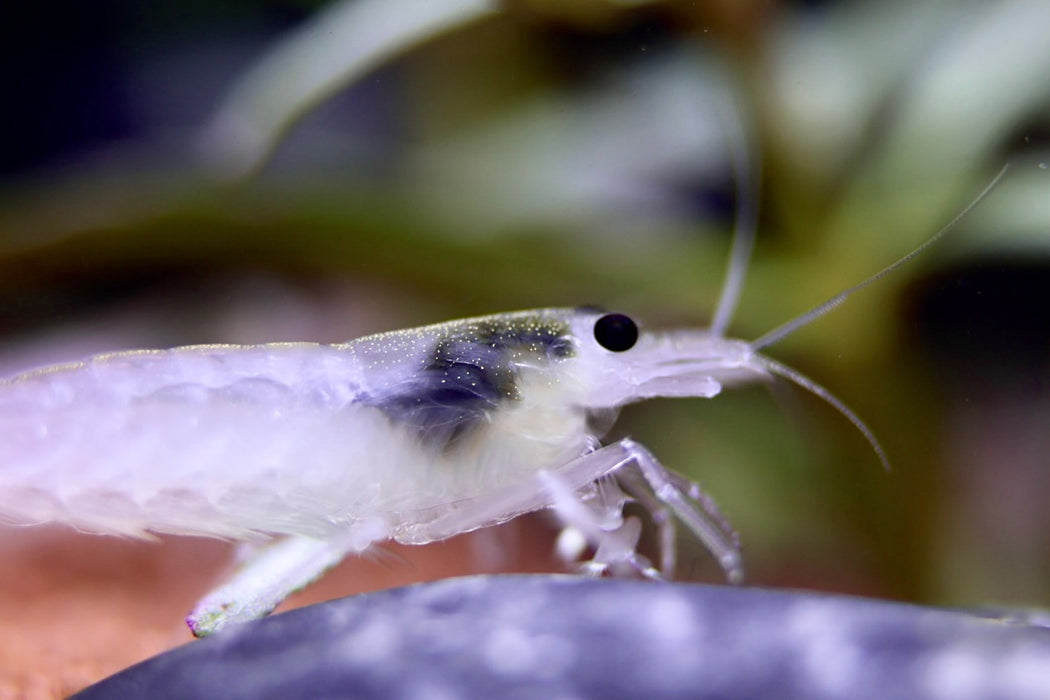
x=314 y=452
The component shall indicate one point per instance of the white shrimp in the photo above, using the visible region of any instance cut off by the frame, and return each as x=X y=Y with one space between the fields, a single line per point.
x=319 y=451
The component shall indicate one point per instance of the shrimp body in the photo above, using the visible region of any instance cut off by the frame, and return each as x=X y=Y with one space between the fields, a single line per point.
x=411 y=435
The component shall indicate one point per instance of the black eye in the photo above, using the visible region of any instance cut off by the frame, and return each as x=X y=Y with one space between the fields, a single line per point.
x=615 y=332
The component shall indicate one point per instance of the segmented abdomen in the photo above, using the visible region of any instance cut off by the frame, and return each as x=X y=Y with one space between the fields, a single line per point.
x=211 y=440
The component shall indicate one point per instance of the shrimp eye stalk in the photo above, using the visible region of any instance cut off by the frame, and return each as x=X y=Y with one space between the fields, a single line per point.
x=615 y=332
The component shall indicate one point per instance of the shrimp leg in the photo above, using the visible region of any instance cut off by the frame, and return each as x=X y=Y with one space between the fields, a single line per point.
x=272 y=573
x=684 y=498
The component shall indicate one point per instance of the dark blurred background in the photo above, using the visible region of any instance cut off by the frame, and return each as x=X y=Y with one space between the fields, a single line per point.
x=176 y=173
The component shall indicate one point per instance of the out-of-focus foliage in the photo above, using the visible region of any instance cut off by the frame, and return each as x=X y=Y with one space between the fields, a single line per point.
x=279 y=171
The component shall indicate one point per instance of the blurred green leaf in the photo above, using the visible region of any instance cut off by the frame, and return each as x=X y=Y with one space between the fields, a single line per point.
x=336 y=47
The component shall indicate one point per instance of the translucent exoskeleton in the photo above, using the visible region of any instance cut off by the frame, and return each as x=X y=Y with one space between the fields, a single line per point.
x=314 y=451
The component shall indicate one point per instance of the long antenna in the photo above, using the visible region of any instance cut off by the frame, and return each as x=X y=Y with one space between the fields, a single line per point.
x=786 y=329
x=746 y=178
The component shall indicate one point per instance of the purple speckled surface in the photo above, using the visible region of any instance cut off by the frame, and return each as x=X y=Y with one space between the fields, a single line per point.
x=565 y=637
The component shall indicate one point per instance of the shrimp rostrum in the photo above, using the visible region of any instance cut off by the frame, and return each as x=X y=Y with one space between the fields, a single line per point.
x=313 y=452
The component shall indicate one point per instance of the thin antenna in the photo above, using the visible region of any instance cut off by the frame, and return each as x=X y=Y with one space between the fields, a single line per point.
x=786 y=329
x=799 y=379
x=747 y=179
